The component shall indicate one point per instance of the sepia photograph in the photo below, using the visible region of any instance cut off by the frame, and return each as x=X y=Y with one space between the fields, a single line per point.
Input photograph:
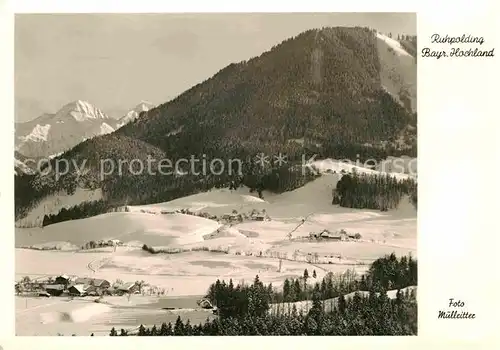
x=215 y=174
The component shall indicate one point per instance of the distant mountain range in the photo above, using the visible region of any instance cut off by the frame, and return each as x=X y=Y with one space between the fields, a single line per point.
x=51 y=134
x=337 y=92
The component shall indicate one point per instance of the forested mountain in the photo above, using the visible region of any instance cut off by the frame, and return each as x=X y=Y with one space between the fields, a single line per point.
x=320 y=92
x=320 y=86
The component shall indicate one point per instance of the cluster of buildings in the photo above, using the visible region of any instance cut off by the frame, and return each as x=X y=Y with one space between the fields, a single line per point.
x=84 y=286
x=233 y=217
x=340 y=235
x=255 y=215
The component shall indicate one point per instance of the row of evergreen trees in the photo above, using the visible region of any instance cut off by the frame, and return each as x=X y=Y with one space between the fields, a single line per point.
x=244 y=309
x=370 y=191
x=384 y=274
x=234 y=301
x=80 y=211
x=374 y=314
x=331 y=286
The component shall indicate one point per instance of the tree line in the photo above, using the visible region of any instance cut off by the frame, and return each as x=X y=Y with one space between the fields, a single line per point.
x=244 y=309
x=374 y=314
x=80 y=211
x=373 y=191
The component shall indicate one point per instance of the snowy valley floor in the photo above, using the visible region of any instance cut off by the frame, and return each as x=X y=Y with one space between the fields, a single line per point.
x=253 y=248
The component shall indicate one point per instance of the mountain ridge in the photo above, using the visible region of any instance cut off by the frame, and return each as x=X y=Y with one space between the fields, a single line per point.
x=323 y=86
x=53 y=133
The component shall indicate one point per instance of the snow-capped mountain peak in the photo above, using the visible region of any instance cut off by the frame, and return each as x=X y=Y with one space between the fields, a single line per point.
x=80 y=111
x=38 y=134
x=53 y=133
x=106 y=129
x=134 y=113
x=143 y=106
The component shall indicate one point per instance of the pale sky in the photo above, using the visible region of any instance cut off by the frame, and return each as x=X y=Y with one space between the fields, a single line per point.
x=116 y=60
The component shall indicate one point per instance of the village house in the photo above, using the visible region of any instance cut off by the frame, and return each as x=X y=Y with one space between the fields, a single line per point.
x=336 y=236
x=101 y=284
x=231 y=217
x=326 y=234
x=77 y=290
x=205 y=304
x=97 y=287
x=63 y=279
x=261 y=217
x=91 y=286
x=83 y=280
x=113 y=242
x=54 y=289
x=128 y=287
x=92 y=291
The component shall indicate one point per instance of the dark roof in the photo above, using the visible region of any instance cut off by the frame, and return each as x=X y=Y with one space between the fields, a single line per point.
x=63 y=277
x=79 y=287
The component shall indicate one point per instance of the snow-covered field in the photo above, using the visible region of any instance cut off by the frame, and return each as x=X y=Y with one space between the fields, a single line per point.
x=215 y=202
x=249 y=248
x=81 y=316
x=172 y=229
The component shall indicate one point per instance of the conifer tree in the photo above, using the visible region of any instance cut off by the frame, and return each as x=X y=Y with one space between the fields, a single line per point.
x=179 y=326
x=286 y=290
x=297 y=291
